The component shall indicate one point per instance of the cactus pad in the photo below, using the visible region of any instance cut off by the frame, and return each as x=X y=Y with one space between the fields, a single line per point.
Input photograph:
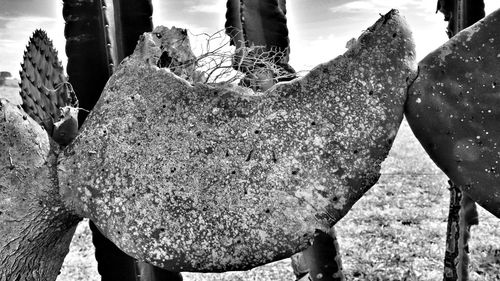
x=44 y=88
x=453 y=109
x=217 y=178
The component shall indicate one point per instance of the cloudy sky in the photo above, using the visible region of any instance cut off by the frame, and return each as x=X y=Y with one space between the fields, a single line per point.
x=319 y=29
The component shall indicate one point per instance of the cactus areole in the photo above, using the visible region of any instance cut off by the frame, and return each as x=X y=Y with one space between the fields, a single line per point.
x=454 y=110
x=217 y=178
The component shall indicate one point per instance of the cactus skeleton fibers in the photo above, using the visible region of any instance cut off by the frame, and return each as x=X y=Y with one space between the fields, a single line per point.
x=258 y=30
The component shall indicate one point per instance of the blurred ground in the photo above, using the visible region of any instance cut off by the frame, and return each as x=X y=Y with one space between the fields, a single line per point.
x=395 y=232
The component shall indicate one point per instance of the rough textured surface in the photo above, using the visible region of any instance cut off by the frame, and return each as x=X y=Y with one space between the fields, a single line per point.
x=169 y=48
x=35 y=228
x=175 y=51
x=454 y=110
x=395 y=231
x=215 y=178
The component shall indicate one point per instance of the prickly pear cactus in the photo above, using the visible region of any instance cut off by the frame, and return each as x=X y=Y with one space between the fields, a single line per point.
x=44 y=87
x=35 y=227
x=216 y=178
x=453 y=110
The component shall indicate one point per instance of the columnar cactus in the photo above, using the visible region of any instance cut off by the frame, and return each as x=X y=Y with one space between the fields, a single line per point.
x=460 y=14
x=99 y=34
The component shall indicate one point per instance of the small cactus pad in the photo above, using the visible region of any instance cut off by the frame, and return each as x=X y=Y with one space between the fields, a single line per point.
x=454 y=110
x=44 y=88
x=217 y=178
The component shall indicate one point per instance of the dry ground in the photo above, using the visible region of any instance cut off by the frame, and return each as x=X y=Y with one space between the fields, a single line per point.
x=395 y=232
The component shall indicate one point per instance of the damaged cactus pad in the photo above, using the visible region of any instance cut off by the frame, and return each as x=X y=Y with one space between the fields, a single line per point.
x=217 y=177
x=35 y=226
x=454 y=110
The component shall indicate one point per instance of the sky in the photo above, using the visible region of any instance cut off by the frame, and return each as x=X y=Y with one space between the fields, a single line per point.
x=319 y=29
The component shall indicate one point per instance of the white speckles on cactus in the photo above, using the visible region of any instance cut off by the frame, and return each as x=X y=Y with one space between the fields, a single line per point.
x=453 y=107
x=211 y=178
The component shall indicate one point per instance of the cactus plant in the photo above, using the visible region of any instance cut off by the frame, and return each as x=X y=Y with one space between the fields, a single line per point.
x=460 y=14
x=452 y=109
x=258 y=174
x=35 y=227
x=45 y=90
x=456 y=89
x=53 y=171
x=463 y=213
x=99 y=34
x=263 y=24
x=49 y=229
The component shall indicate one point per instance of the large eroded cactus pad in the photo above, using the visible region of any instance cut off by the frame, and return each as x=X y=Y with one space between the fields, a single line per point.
x=208 y=178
